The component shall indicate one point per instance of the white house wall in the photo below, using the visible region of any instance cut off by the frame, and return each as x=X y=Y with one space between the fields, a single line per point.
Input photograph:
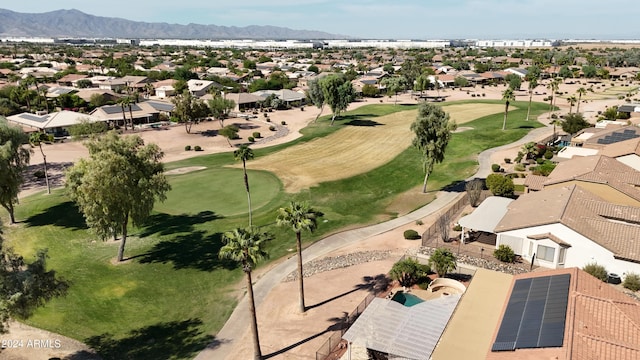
x=582 y=251
x=632 y=160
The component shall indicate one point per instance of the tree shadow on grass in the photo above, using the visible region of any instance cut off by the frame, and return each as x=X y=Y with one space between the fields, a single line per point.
x=363 y=122
x=165 y=340
x=165 y=224
x=353 y=117
x=66 y=215
x=526 y=127
x=193 y=250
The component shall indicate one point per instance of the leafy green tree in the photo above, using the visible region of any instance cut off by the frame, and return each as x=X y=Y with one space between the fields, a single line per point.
x=432 y=130
x=315 y=94
x=85 y=127
x=13 y=161
x=581 y=91
x=573 y=123
x=422 y=83
x=36 y=139
x=119 y=182
x=97 y=100
x=442 y=261
x=394 y=85
x=230 y=132
x=530 y=150
x=460 y=81
x=189 y=110
x=246 y=246
x=338 y=94
x=84 y=83
x=514 y=81
x=369 y=90
x=565 y=72
x=407 y=272
x=25 y=286
x=299 y=216
x=507 y=96
x=245 y=153
x=220 y=108
x=313 y=68
x=589 y=71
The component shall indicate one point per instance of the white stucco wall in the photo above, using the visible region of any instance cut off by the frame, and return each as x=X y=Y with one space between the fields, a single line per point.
x=632 y=160
x=582 y=251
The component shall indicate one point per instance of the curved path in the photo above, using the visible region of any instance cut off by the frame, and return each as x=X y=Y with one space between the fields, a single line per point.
x=238 y=322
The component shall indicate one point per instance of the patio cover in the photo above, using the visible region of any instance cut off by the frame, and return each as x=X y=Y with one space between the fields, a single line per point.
x=486 y=216
x=406 y=332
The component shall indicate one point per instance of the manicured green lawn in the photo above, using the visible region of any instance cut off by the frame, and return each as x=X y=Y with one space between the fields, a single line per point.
x=174 y=290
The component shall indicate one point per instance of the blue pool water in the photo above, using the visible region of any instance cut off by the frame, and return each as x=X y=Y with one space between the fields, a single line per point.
x=406 y=299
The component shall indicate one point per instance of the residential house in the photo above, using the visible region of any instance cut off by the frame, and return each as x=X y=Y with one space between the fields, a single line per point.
x=570 y=226
x=144 y=112
x=244 y=101
x=71 y=80
x=164 y=88
x=55 y=123
x=293 y=98
x=201 y=87
x=627 y=152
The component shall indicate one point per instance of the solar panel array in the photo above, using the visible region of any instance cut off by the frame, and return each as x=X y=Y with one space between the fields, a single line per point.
x=36 y=118
x=618 y=136
x=535 y=315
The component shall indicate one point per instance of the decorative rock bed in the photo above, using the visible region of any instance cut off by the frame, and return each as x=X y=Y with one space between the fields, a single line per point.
x=338 y=262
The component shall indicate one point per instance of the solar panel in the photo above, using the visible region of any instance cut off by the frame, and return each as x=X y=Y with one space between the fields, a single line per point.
x=36 y=118
x=535 y=315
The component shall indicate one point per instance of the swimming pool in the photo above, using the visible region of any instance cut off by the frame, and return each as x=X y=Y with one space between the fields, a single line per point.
x=406 y=299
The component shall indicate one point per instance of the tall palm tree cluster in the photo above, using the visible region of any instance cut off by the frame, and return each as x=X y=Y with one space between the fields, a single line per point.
x=246 y=245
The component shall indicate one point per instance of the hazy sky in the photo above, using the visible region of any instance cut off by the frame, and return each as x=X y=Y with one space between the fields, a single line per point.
x=399 y=19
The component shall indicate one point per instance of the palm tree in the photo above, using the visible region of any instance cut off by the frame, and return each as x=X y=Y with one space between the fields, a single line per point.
x=124 y=102
x=508 y=96
x=533 y=83
x=246 y=246
x=245 y=153
x=581 y=91
x=36 y=139
x=572 y=101
x=554 y=85
x=299 y=216
x=442 y=261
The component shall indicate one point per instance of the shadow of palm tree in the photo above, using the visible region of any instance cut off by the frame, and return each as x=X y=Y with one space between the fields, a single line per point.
x=66 y=215
x=166 y=340
x=165 y=224
x=372 y=284
x=189 y=251
x=339 y=323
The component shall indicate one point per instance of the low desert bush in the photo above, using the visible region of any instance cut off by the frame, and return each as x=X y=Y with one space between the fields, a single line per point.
x=632 y=282
x=251 y=139
x=495 y=167
x=187 y=148
x=197 y=148
x=411 y=235
x=596 y=270
x=504 y=253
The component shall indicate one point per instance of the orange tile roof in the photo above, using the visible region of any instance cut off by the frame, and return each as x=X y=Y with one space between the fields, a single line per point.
x=601 y=322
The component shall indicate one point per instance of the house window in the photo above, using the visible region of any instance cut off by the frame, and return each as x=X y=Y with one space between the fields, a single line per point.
x=546 y=253
x=563 y=254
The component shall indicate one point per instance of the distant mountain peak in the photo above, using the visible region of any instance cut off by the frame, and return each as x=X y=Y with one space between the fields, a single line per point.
x=75 y=23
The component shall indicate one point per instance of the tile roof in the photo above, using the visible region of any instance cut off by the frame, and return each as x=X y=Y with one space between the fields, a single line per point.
x=627 y=147
x=549 y=236
x=598 y=169
x=601 y=322
x=610 y=225
x=535 y=182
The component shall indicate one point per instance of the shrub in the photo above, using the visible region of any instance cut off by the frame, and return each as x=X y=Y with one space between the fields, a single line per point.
x=495 y=167
x=39 y=174
x=256 y=135
x=272 y=128
x=187 y=148
x=519 y=167
x=500 y=185
x=268 y=120
x=411 y=235
x=457 y=227
x=197 y=148
x=596 y=270
x=442 y=261
x=507 y=160
x=283 y=122
x=419 y=222
x=632 y=282
x=408 y=271
x=251 y=139
x=504 y=253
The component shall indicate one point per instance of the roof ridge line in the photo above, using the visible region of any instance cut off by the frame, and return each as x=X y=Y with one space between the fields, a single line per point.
x=630 y=347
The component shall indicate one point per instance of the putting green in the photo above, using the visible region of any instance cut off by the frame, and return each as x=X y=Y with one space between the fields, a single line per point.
x=218 y=190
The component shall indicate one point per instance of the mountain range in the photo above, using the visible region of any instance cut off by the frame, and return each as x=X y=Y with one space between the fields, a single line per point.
x=75 y=23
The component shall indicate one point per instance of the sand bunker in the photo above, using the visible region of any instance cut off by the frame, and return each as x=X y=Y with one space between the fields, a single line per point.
x=184 y=170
